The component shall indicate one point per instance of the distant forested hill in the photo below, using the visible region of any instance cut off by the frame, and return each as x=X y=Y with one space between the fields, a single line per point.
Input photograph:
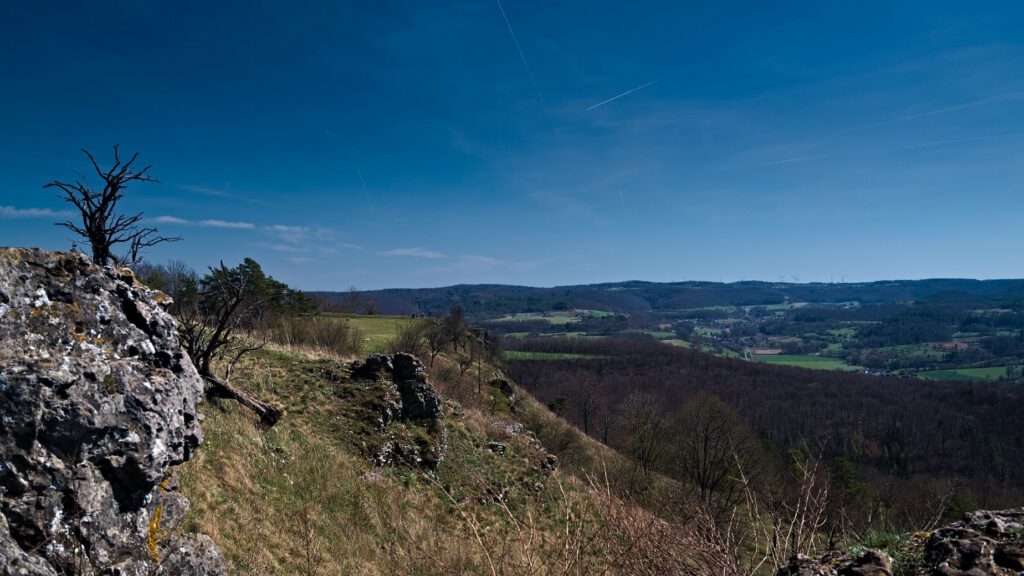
x=491 y=300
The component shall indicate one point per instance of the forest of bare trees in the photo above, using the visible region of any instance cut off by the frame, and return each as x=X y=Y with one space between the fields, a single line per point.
x=894 y=447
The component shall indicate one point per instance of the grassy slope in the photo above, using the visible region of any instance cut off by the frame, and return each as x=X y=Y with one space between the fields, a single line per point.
x=302 y=497
x=807 y=361
x=967 y=374
x=378 y=330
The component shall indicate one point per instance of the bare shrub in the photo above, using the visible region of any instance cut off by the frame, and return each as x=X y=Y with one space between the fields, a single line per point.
x=317 y=333
x=410 y=338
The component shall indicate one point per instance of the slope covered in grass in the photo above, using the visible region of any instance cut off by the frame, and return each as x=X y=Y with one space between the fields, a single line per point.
x=304 y=498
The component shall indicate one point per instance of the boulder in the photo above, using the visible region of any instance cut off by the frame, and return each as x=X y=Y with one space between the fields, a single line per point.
x=868 y=563
x=98 y=403
x=983 y=542
x=409 y=412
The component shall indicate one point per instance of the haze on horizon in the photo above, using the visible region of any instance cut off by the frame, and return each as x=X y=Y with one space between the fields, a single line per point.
x=411 y=144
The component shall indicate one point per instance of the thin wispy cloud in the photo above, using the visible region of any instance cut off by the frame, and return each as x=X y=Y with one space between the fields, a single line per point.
x=303 y=243
x=919 y=145
x=289 y=248
x=210 y=223
x=413 y=252
x=218 y=192
x=291 y=234
x=630 y=91
x=997 y=99
x=475 y=263
x=226 y=224
x=12 y=212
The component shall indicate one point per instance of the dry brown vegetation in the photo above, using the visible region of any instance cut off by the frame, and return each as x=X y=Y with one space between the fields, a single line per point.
x=303 y=498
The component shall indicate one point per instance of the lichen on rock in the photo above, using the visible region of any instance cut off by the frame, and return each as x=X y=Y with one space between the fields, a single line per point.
x=98 y=403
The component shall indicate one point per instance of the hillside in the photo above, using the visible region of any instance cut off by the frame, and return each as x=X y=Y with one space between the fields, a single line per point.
x=905 y=440
x=393 y=464
x=279 y=501
x=491 y=301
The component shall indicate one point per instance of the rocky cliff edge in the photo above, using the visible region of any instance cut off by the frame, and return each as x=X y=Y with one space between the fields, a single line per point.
x=98 y=403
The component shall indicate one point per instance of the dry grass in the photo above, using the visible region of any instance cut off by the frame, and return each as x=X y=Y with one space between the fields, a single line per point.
x=317 y=333
x=302 y=498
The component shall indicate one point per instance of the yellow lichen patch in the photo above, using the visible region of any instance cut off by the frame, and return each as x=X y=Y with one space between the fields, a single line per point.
x=155 y=534
x=110 y=384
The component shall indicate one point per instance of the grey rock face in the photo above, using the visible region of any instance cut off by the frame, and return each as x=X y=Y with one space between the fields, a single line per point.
x=870 y=563
x=984 y=542
x=97 y=404
x=410 y=412
x=375 y=366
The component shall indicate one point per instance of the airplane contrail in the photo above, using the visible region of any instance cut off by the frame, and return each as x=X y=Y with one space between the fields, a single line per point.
x=366 y=193
x=628 y=92
x=521 y=55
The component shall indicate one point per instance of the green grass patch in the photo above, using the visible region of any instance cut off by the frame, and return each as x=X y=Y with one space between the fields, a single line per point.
x=556 y=318
x=678 y=342
x=378 y=330
x=990 y=374
x=807 y=361
x=843 y=333
x=524 y=355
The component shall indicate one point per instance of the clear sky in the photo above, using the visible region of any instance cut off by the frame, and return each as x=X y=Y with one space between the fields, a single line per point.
x=409 y=144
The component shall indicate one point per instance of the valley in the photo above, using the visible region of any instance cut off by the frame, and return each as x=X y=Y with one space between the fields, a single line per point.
x=941 y=329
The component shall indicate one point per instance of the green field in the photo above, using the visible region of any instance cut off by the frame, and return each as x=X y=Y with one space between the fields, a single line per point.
x=522 y=355
x=806 y=361
x=968 y=374
x=843 y=333
x=378 y=330
x=555 y=317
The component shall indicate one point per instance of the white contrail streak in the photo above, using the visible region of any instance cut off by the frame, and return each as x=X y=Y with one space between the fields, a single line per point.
x=521 y=55
x=365 y=192
x=628 y=92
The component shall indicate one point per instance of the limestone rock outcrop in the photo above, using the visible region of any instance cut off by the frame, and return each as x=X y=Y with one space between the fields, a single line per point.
x=983 y=542
x=869 y=563
x=410 y=415
x=98 y=403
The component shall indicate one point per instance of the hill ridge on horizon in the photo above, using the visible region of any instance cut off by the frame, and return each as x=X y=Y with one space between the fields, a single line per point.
x=483 y=300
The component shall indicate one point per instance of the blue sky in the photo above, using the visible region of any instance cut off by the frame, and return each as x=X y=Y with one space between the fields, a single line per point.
x=408 y=144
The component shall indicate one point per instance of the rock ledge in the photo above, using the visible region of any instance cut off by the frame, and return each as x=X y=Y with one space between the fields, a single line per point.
x=98 y=403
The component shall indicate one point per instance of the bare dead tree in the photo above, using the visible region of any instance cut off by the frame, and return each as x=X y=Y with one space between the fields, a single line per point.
x=101 y=225
x=228 y=302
